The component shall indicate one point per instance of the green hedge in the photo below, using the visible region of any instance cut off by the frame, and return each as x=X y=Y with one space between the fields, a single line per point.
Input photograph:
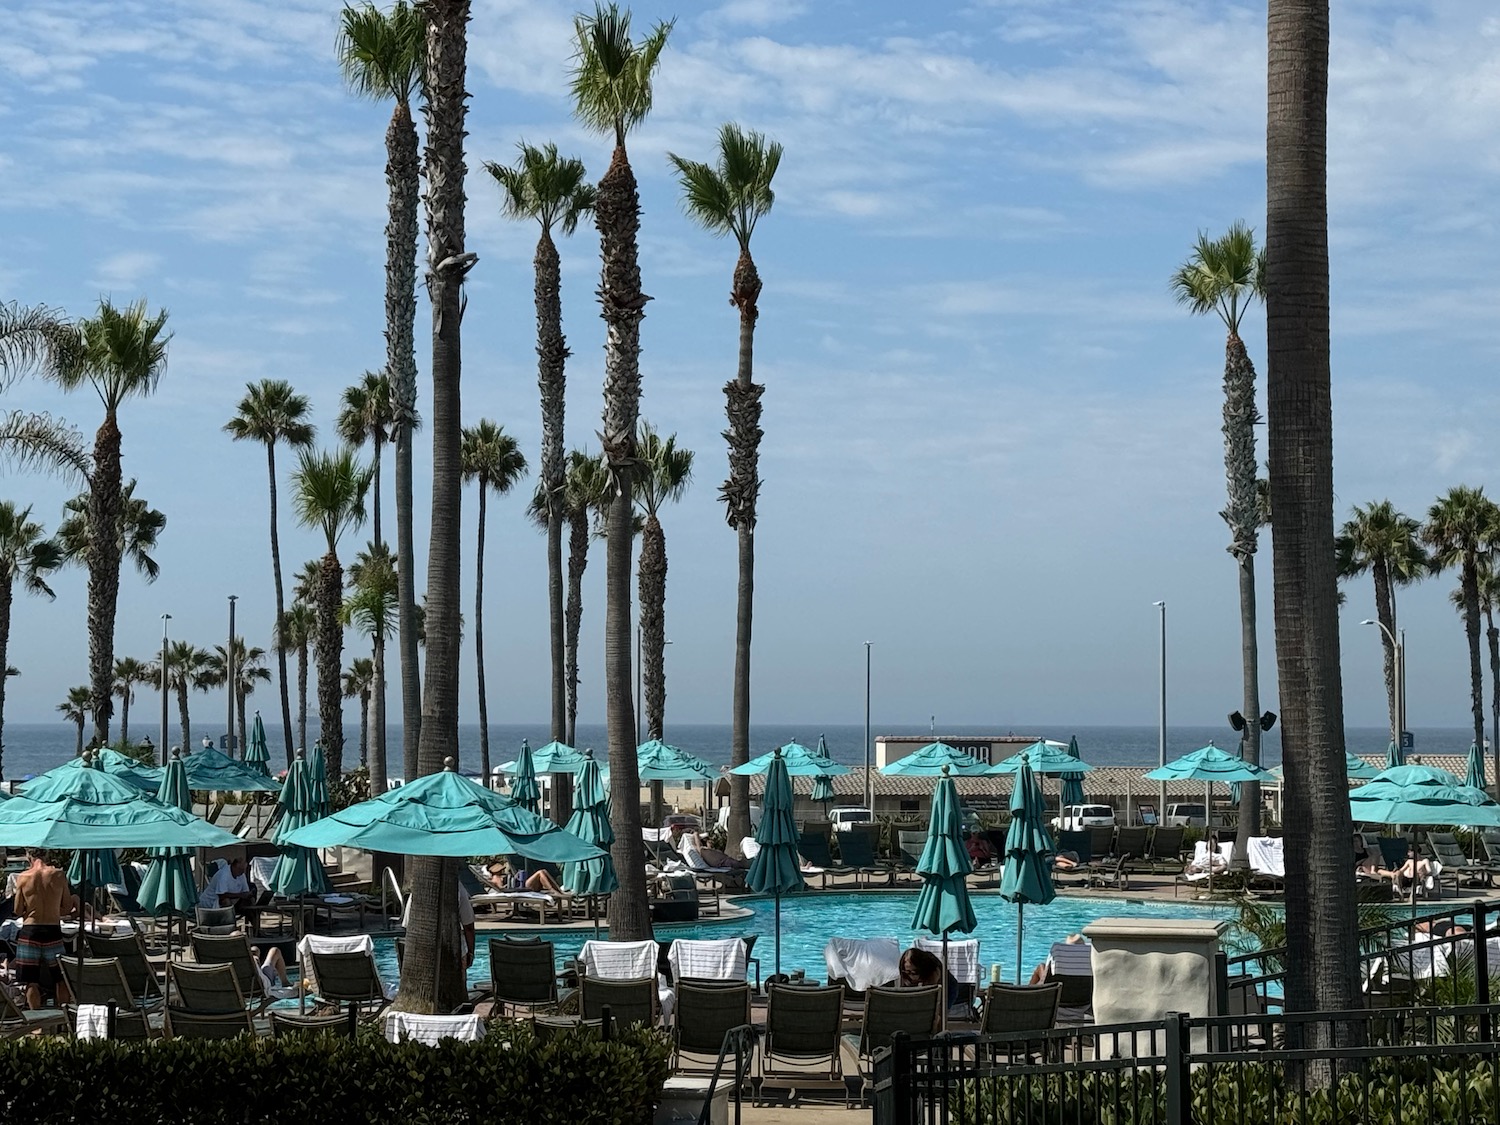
x=508 y=1076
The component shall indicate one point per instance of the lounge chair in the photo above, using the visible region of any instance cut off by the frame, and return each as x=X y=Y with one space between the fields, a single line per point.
x=1101 y=841
x=548 y=1028
x=914 y=1011
x=205 y=989
x=1165 y=851
x=1131 y=845
x=1447 y=851
x=676 y=898
x=624 y=961
x=523 y=974
x=1071 y=964
x=90 y=1021
x=909 y=847
x=353 y=982
x=348 y=978
x=857 y=852
x=1019 y=1007
x=100 y=981
x=963 y=965
x=719 y=959
x=285 y=1025
x=813 y=847
x=802 y=1045
x=705 y=1012
x=216 y=920
x=1393 y=851
x=184 y=1024
x=135 y=962
x=629 y=1001
x=234 y=950
x=16 y=1021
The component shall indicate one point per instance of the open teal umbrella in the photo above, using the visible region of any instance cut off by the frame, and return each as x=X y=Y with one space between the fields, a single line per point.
x=1418 y=795
x=777 y=868
x=1208 y=765
x=317 y=783
x=523 y=787
x=1027 y=879
x=257 y=757
x=212 y=771
x=168 y=887
x=1394 y=755
x=657 y=761
x=1043 y=758
x=797 y=760
x=590 y=823
x=56 y=781
x=298 y=870
x=934 y=760
x=555 y=757
x=1474 y=778
x=95 y=867
x=943 y=905
x=1354 y=767
x=1072 y=783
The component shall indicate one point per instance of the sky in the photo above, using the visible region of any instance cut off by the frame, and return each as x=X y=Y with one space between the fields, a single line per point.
x=992 y=439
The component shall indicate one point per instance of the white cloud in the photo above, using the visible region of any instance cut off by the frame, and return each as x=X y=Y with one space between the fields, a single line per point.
x=127 y=270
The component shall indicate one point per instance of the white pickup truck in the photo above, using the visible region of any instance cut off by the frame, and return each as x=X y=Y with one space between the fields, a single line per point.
x=842 y=818
x=1080 y=818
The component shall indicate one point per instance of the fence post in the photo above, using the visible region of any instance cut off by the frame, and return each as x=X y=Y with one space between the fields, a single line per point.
x=112 y=1009
x=1221 y=1004
x=901 y=1086
x=1178 y=1074
x=1480 y=929
x=606 y=1024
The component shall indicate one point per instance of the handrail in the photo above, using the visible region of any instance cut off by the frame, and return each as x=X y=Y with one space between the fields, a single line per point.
x=741 y=1040
x=388 y=882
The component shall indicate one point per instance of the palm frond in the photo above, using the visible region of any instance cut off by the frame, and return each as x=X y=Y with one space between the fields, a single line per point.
x=731 y=196
x=545 y=186
x=491 y=456
x=667 y=469
x=34 y=337
x=328 y=492
x=383 y=55
x=272 y=411
x=31 y=441
x=611 y=78
x=1222 y=275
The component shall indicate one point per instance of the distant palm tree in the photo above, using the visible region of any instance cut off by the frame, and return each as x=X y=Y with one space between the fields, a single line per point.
x=298 y=627
x=75 y=709
x=1489 y=602
x=1386 y=544
x=328 y=492
x=27 y=556
x=552 y=191
x=1460 y=527
x=130 y=673
x=187 y=670
x=611 y=83
x=383 y=56
x=249 y=670
x=371 y=607
x=666 y=472
x=585 y=491
x=358 y=683
x=492 y=459
x=273 y=413
x=140 y=526
x=366 y=416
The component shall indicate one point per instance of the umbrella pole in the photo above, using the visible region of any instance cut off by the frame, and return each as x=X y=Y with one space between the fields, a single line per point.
x=943 y=995
x=778 y=932
x=1020 y=931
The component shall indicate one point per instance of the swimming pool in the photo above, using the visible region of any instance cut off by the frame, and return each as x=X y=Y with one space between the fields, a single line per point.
x=809 y=920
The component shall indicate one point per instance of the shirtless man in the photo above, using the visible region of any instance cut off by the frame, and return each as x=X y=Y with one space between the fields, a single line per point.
x=41 y=900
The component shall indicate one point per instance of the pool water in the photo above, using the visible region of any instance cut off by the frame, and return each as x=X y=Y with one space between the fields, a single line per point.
x=809 y=920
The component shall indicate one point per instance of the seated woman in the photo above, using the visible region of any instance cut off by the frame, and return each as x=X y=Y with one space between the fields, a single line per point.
x=1065 y=861
x=539 y=880
x=272 y=968
x=917 y=968
x=980 y=850
x=1365 y=863
x=699 y=857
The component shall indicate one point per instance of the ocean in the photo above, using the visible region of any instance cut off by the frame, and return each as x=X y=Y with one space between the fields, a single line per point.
x=31 y=748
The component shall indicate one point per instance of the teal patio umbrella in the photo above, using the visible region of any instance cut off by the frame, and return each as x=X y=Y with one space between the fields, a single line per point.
x=1474 y=778
x=299 y=870
x=657 y=761
x=523 y=787
x=943 y=905
x=934 y=760
x=257 y=757
x=776 y=869
x=212 y=771
x=1208 y=765
x=1354 y=766
x=797 y=760
x=1418 y=795
x=1394 y=755
x=590 y=823
x=317 y=783
x=56 y=781
x=94 y=867
x=1042 y=758
x=168 y=887
x=1027 y=878
x=1072 y=783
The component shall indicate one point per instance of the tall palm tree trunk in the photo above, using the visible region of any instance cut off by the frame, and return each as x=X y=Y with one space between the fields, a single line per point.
x=378 y=763
x=617 y=215
x=402 y=177
x=78 y=749
x=484 y=709
x=1471 y=630
x=302 y=696
x=282 y=686
x=740 y=493
x=653 y=598
x=1242 y=513
x=239 y=706
x=375 y=465
x=330 y=654
x=432 y=978
x=1492 y=634
x=124 y=707
x=1385 y=612
x=182 y=718
x=552 y=356
x=578 y=561
x=1321 y=920
x=364 y=726
x=104 y=574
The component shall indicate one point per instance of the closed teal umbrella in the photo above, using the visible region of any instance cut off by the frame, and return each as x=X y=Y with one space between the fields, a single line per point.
x=1027 y=878
x=1394 y=755
x=257 y=757
x=1474 y=778
x=1072 y=783
x=298 y=870
x=943 y=905
x=168 y=886
x=524 y=790
x=590 y=823
x=777 y=868
x=95 y=867
x=319 y=805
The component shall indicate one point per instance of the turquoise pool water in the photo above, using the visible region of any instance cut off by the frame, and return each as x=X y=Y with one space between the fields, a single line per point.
x=809 y=920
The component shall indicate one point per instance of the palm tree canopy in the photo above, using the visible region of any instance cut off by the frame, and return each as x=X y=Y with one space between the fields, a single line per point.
x=371 y=605
x=382 y=54
x=272 y=412
x=121 y=353
x=305 y=586
x=249 y=667
x=328 y=492
x=1378 y=531
x=34 y=440
x=140 y=527
x=187 y=667
x=25 y=551
x=611 y=78
x=76 y=708
x=129 y=671
x=587 y=486
x=491 y=456
x=1459 y=524
x=34 y=336
x=297 y=626
x=1223 y=275
x=366 y=412
x=544 y=186
x=666 y=470
x=359 y=677
x=730 y=196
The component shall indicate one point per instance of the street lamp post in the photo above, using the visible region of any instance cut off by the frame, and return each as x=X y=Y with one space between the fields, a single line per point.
x=1161 y=734
x=869 y=746
x=1398 y=645
x=230 y=678
x=164 y=619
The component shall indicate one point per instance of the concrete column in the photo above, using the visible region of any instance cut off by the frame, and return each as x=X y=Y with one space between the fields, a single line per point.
x=1146 y=967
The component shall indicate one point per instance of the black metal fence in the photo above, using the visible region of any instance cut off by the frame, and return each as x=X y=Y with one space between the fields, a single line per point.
x=1398 y=1066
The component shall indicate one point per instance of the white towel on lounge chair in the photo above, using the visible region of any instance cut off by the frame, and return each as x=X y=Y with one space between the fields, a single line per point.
x=749 y=847
x=432 y=1030
x=863 y=962
x=92 y=1022
x=692 y=855
x=963 y=956
x=261 y=869
x=1267 y=856
x=627 y=960
x=1071 y=959
x=716 y=959
x=354 y=943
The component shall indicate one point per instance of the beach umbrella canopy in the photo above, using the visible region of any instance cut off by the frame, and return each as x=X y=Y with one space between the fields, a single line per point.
x=555 y=757
x=1072 y=783
x=1474 y=778
x=168 y=883
x=777 y=868
x=935 y=760
x=1394 y=755
x=797 y=760
x=943 y=906
x=523 y=787
x=1208 y=765
x=257 y=757
x=211 y=771
x=317 y=783
x=657 y=761
x=1415 y=795
x=299 y=870
x=1043 y=757
x=1027 y=878
x=55 y=782
x=822 y=788
x=443 y=814
x=590 y=823
x=98 y=867
x=1354 y=766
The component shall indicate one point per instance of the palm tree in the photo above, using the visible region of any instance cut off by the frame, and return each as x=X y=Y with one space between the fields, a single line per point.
x=584 y=490
x=611 y=85
x=1321 y=918
x=383 y=56
x=328 y=492
x=492 y=459
x=1224 y=276
x=122 y=353
x=139 y=528
x=273 y=413
x=434 y=979
x=366 y=415
x=299 y=625
x=76 y=709
x=249 y=669
x=1386 y=544
x=359 y=683
x=130 y=672
x=371 y=608
x=27 y=556
x=1459 y=530
x=551 y=190
x=666 y=471
x=187 y=669
x=730 y=197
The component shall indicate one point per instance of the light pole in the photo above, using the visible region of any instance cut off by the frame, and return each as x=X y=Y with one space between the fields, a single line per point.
x=229 y=677
x=164 y=619
x=869 y=746
x=1161 y=733
x=1398 y=645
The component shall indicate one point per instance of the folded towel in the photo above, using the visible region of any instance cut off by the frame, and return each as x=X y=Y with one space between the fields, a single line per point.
x=717 y=959
x=619 y=960
x=432 y=1029
x=963 y=957
x=863 y=962
x=92 y=1022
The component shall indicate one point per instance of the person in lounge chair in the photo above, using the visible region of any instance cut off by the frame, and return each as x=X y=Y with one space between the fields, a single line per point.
x=272 y=968
x=539 y=880
x=917 y=967
x=1364 y=863
x=691 y=846
x=1066 y=959
x=1424 y=871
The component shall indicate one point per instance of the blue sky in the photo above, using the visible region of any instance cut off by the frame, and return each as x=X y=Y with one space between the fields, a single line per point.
x=992 y=440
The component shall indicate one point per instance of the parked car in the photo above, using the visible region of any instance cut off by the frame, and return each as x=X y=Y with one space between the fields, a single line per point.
x=1185 y=816
x=1080 y=818
x=842 y=818
x=684 y=820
